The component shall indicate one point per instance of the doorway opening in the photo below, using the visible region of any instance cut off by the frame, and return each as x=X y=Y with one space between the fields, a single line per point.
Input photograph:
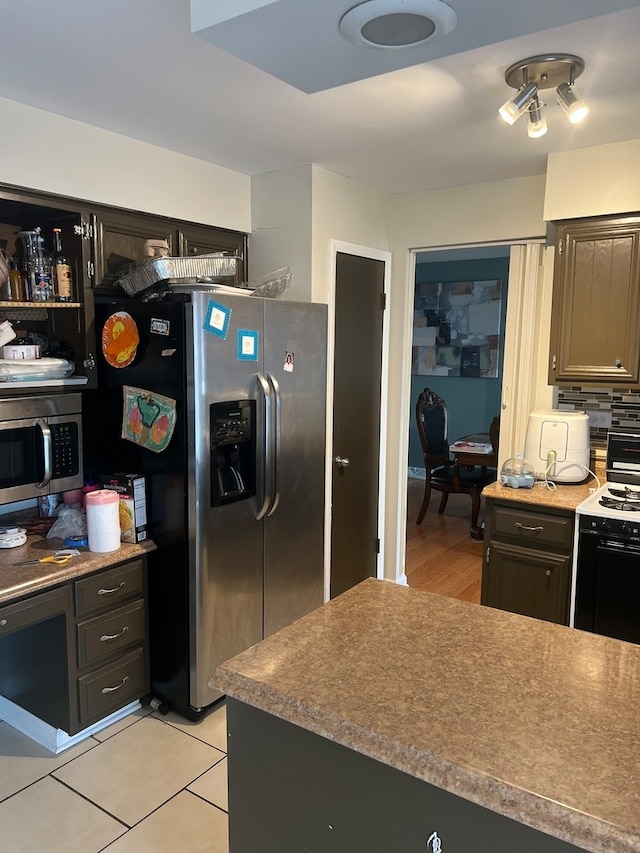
x=460 y=298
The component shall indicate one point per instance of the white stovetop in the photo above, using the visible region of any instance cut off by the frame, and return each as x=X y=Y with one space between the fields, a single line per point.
x=592 y=506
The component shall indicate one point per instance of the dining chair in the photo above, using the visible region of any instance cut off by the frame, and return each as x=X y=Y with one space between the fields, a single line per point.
x=443 y=473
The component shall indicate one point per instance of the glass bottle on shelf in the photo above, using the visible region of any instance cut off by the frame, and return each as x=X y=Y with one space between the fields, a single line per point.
x=62 y=270
x=5 y=287
x=39 y=266
x=26 y=279
x=15 y=282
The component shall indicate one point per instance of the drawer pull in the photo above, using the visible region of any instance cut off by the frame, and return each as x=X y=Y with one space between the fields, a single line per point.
x=3 y=622
x=117 y=687
x=111 y=591
x=529 y=529
x=106 y=637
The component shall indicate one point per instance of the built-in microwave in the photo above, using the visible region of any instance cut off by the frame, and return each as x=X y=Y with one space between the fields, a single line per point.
x=40 y=446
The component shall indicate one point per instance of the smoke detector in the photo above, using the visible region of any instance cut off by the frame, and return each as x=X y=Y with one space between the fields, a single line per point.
x=397 y=24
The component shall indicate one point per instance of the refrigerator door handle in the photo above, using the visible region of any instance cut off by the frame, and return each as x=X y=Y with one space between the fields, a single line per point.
x=277 y=412
x=268 y=460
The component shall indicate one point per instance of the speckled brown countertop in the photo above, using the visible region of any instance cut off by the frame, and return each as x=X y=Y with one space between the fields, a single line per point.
x=533 y=720
x=564 y=496
x=18 y=581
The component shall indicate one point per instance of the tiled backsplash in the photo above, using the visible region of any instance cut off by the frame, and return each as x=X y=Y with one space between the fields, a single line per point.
x=623 y=404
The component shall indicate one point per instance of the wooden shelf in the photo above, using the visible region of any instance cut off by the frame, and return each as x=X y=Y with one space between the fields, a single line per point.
x=10 y=304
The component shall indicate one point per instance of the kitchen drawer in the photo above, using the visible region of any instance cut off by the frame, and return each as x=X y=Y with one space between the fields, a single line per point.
x=106 y=635
x=532 y=528
x=32 y=610
x=105 y=690
x=112 y=586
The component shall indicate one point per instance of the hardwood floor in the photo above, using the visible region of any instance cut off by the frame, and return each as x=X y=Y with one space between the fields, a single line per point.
x=441 y=556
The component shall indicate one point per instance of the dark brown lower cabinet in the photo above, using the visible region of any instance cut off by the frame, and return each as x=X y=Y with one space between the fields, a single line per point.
x=78 y=652
x=527 y=560
x=292 y=790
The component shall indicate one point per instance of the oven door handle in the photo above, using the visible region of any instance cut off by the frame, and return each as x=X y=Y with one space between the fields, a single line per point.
x=48 y=452
x=616 y=547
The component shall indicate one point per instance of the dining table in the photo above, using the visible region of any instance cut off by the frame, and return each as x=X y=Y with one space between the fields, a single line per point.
x=473 y=450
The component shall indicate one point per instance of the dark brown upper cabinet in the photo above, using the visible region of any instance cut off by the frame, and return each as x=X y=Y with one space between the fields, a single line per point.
x=65 y=323
x=203 y=240
x=103 y=244
x=121 y=235
x=595 y=320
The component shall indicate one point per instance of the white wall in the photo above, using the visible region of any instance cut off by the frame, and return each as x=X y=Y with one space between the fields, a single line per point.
x=296 y=213
x=39 y=150
x=348 y=211
x=593 y=181
x=503 y=211
x=281 y=210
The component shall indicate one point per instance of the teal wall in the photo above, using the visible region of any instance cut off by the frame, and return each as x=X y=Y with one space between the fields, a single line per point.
x=471 y=403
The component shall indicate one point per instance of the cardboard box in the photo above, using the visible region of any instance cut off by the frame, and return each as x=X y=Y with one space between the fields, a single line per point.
x=133 y=504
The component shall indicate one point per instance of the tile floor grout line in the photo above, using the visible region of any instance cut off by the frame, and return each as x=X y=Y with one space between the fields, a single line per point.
x=205 y=800
x=199 y=739
x=204 y=772
x=44 y=775
x=89 y=800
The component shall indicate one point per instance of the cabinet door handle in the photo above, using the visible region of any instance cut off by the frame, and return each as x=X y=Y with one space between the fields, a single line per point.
x=548 y=573
x=111 y=591
x=3 y=622
x=117 y=687
x=106 y=637
x=530 y=529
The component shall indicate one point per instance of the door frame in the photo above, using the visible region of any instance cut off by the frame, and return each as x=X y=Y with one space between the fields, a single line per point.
x=337 y=246
x=530 y=286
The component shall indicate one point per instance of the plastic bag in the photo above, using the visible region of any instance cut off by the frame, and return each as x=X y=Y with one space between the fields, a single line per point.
x=12 y=370
x=70 y=522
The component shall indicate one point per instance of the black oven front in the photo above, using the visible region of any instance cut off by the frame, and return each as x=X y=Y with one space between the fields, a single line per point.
x=607 y=578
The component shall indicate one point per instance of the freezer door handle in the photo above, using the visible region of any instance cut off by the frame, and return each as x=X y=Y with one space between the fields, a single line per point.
x=277 y=414
x=268 y=461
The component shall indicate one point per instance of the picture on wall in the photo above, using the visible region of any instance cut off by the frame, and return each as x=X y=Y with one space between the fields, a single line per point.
x=456 y=328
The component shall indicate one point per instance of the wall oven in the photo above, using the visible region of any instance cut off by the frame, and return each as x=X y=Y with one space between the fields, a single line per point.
x=40 y=446
x=605 y=594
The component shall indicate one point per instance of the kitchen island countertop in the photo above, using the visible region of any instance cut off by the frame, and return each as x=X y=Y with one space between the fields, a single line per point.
x=19 y=581
x=531 y=720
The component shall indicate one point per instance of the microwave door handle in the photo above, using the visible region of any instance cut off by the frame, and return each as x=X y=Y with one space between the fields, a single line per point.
x=48 y=452
x=268 y=462
x=277 y=412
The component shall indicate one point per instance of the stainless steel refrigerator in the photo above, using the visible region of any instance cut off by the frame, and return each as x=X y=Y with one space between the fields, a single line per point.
x=236 y=499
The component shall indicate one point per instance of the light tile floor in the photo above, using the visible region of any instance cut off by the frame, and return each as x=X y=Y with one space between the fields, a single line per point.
x=149 y=783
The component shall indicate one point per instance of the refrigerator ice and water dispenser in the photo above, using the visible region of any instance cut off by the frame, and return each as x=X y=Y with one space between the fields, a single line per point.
x=233 y=451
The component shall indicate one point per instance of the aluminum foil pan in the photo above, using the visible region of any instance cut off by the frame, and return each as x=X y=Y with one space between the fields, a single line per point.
x=208 y=267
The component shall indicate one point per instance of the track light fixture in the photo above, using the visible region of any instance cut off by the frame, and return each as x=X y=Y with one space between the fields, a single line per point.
x=529 y=76
x=537 y=122
x=574 y=106
x=512 y=109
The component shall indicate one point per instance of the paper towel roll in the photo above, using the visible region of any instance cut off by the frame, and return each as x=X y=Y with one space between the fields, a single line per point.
x=103 y=520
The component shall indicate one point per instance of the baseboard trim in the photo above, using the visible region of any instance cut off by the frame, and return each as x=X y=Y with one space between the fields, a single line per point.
x=55 y=740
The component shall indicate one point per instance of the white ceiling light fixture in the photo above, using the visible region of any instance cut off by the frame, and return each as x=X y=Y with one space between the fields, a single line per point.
x=397 y=24
x=529 y=76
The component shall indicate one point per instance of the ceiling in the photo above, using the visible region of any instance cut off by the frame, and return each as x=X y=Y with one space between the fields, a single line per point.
x=135 y=67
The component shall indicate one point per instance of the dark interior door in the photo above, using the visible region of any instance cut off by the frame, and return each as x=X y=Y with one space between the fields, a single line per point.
x=359 y=305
